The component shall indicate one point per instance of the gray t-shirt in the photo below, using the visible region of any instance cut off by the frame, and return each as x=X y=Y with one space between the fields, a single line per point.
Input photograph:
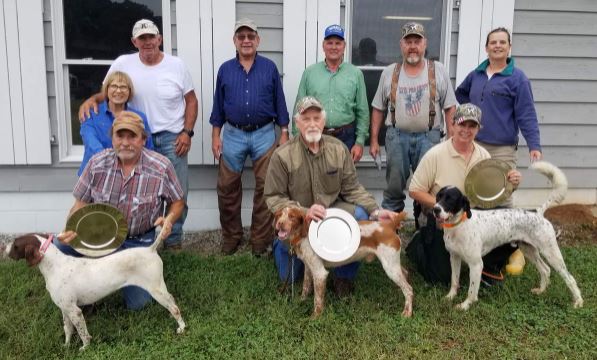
x=412 y=99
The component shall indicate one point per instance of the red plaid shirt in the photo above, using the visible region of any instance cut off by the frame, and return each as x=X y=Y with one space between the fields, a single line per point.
x=139 y=197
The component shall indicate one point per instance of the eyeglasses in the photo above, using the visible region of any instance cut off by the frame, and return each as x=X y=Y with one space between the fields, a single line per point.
x=115 y=87
x=242 y=37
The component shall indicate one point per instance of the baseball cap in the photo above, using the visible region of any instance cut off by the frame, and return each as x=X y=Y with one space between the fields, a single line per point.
x=128 y=120
x=306 y=103
x=467 y=112
x=413 y=28
x=245 y=22
x=334 y=30
x=145 y=26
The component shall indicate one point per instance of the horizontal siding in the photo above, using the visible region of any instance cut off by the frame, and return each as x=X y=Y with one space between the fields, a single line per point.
x=268 y=17
x=555 y=44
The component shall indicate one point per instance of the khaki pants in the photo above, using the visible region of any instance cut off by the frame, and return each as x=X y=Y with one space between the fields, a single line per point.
x=507 y=153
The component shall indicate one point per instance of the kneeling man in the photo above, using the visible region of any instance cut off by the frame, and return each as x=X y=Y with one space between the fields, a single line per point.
x=316 y=172
x=137 y=181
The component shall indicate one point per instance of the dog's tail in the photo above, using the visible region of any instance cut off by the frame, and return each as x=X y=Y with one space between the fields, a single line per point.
x=158 y=239
x=397 y=218
x=558 y=181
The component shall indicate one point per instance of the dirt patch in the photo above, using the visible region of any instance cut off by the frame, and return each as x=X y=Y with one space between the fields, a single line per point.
x=574 y=223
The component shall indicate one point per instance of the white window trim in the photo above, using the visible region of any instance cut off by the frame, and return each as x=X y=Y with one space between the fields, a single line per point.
x=67 y=152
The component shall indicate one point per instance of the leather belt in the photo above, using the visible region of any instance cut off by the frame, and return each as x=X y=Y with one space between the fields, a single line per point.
x=250 y=127
x=338 y=129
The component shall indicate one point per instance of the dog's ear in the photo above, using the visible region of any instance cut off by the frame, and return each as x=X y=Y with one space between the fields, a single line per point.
x=276 y=217
x=467 y=207
x=32 y=255
x=305 y=227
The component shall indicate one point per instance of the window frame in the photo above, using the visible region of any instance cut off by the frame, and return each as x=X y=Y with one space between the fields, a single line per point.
x=67 y=151
x=445 y=46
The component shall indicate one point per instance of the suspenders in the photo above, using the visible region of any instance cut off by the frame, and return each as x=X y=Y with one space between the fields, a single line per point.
x=432 y=92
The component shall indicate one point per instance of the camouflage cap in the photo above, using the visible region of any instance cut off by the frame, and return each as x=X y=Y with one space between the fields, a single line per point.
x=467 y=112
x=413 y=28
x=128 y=120
x=306 y=103
x=245 y=22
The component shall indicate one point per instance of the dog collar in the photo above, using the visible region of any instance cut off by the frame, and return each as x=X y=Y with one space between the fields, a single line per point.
x=44 y=247
x=451 y=225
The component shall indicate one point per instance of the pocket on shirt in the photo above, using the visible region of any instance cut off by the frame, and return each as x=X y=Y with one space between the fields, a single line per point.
x=168 y=93
x=330 y=181
x=99 y=197
x=144 y=206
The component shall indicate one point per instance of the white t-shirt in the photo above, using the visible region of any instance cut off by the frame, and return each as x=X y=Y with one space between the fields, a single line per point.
x=412 y=100
x=159 y=89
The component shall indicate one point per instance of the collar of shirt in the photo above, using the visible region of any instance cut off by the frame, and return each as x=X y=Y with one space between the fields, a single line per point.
x=325 y=62
x=507 y=70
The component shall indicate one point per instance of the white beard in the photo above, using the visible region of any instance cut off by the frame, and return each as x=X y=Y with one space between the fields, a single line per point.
x=313 y=136
x=413 y=59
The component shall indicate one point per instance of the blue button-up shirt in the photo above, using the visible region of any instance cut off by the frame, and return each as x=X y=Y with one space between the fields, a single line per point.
x=96 y=131
x=245 y=98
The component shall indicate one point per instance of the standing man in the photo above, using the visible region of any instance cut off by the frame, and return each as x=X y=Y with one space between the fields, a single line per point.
x=341 y=89
x=418 y=96
x=164 y=92
x=248 y=102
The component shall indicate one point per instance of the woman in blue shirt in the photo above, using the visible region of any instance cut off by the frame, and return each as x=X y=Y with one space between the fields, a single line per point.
x=95 y=131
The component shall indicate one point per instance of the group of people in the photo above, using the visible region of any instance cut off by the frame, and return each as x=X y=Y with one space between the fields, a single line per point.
x=137 y=133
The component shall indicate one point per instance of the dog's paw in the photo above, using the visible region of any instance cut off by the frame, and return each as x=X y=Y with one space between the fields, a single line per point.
x=180 y=330
x=537 y=291
x=578 y=303
x=406 y=313
x=463 y=306
x=450 y=296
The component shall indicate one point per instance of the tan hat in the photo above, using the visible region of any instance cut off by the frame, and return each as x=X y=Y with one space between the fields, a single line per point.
x=245 y=22
x=467 y=112
x=413 y=28
x=306 y=103
x=128 y=120
x=143 y=27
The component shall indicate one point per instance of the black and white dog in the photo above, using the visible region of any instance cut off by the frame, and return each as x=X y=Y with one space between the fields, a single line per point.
x=470 y=234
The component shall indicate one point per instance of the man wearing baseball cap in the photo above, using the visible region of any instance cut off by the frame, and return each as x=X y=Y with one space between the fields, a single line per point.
x=248 y=103
x=311 y=171
x=418 y=95
x=164 y=92
x=340 y=86
x=137 y=181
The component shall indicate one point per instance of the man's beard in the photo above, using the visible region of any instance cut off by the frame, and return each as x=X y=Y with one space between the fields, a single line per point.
x=126 y=155
x=313 y=136
x=413 y=59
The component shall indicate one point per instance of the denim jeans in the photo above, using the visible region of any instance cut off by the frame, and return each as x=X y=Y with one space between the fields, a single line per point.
x=284 y=263
x=404 y=150
x=347 y=136
x=163 y=143
x=135 y=297
x=238 y=144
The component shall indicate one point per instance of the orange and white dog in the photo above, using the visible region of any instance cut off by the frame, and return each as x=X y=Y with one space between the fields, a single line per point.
x=378 y=238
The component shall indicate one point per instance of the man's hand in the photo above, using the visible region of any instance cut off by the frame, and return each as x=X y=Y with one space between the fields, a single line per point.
x=216 y=147
x=182 y=144
x=66 y=237
x=374 y=149
x=283 y=138
x=166 y=225
x=514 y=177
x=356 y=152
x=385 y=214
x=85 y=109
x=535 y=155
x=316 y=212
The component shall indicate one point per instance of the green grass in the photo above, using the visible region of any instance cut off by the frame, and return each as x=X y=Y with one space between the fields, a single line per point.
x=232 y=310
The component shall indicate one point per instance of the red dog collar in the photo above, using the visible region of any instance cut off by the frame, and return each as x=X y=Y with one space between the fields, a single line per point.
x=44 y=247
x=451 y=225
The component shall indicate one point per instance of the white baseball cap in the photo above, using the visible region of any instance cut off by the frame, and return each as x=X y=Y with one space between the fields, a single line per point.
x=143 y=27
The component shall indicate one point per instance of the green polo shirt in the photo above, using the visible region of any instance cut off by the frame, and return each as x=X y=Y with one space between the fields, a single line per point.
x=342 y=94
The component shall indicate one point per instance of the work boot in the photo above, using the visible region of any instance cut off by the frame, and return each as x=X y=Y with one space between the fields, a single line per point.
x=229 y=247
x=343 y=287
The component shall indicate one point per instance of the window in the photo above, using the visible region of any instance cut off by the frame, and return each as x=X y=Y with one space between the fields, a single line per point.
x=375 y=34
x=91 y=34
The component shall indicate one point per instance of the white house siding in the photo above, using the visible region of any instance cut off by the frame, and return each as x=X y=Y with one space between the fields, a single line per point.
x=555 y=43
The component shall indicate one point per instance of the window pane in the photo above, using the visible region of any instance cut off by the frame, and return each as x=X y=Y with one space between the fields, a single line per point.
x=84 y=81
x=101 y=29
x=376 y=28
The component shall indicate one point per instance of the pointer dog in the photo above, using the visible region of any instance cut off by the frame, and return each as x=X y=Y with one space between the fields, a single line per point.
x=73 y=281
x=378 y=238
x=470 y=234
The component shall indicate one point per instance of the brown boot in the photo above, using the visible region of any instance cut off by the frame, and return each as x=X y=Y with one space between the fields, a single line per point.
x=262 y=231
x=343 y=287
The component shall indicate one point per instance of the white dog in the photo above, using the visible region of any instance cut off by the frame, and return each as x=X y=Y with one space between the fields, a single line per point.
x=470 y=234
x=73 y=282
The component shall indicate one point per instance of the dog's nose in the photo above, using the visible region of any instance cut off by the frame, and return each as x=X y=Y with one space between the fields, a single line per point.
x=436 y=210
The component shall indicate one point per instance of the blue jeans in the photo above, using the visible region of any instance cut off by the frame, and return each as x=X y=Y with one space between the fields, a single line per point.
x=284 y=265
x=404 y=150
x=135 y=297
x=163 y=143
x=347 y=136
x=238 y=144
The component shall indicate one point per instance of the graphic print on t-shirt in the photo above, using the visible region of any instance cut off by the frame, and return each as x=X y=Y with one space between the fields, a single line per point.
x=412 y=97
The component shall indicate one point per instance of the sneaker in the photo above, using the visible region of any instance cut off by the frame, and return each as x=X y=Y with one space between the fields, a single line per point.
x=343 y=287
x=515 y=263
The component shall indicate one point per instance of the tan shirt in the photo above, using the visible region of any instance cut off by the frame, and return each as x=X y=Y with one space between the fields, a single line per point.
x=296 y=176
x=442 y=165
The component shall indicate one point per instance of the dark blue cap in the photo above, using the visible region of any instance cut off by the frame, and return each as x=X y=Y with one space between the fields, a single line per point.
x=334 y=30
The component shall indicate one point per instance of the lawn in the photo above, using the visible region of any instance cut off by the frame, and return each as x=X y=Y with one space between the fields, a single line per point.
x=233 y=310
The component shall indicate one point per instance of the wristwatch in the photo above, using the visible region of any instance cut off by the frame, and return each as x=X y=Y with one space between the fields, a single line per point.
x=189 y=132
